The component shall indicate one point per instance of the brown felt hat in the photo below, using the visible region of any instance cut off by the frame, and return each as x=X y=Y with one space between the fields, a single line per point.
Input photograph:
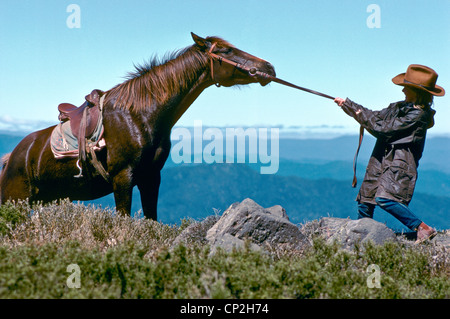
x=420 y=77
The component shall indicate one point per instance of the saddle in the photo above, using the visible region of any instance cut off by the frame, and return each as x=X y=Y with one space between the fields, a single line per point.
x=83 y=123
x=74 y=114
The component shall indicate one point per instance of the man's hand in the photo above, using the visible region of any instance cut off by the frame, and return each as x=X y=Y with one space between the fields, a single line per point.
x=339 y=101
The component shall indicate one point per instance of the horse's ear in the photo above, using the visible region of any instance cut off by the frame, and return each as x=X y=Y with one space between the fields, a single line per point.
x=203 y=43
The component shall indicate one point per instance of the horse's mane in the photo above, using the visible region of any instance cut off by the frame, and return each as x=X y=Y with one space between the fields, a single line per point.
x=157 y=80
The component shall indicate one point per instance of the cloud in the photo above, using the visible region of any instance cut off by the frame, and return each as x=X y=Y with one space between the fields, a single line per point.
x=11 y=124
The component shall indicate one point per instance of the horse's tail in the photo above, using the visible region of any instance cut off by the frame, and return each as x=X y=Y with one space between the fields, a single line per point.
x=3 y=162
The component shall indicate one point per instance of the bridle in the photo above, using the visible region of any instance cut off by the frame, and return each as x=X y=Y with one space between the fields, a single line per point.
x=239 y=66
x=252 y=71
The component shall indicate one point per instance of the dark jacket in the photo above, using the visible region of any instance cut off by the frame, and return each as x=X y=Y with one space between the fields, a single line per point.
x=400 y=130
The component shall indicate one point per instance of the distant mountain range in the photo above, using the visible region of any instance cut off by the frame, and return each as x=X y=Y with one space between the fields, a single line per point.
x=313 y=181
x=196 y=190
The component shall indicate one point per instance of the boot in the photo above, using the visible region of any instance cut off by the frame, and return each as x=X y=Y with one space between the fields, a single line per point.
x=424 y=233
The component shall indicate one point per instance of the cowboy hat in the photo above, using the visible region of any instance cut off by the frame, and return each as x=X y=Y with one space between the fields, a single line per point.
x=420 y=77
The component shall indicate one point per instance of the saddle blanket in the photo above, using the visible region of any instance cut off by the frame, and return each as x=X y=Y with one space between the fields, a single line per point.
x=64 y=144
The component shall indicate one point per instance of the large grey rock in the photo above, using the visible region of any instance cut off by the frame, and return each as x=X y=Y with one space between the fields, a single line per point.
x=248 y=220
x=195 y=233
x=350 y=232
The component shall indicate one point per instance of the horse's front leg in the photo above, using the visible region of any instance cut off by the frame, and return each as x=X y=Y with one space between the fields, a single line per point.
x=149 y=189
x=123 y=192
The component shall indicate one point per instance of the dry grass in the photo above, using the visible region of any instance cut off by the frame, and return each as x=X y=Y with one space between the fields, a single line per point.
x=90 y=226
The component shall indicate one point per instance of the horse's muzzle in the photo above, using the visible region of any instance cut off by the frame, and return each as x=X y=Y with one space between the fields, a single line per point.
x=264 y=75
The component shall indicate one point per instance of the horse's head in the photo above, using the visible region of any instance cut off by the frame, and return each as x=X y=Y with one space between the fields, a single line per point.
x=231 y=66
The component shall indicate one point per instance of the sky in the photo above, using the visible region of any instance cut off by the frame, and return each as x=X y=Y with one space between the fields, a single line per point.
x=344 y=48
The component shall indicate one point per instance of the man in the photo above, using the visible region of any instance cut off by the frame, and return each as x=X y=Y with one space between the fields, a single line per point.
x=400 y=130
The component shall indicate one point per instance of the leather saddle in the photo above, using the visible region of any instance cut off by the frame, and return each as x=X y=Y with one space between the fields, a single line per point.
x=74 y=114
x=83 y=122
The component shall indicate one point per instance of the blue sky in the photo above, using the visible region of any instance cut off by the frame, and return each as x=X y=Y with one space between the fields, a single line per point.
x=322 y=45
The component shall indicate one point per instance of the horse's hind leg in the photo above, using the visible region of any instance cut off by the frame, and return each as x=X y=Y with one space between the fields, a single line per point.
x=123 y=191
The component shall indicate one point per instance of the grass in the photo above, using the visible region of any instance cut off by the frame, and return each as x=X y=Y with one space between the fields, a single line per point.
x=124 y=257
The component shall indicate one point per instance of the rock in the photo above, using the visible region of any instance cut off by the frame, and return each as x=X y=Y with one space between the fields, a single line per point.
x=350 y=232
x=248 y=220
x=443 y=239
x=228 y=242
x=196 y=232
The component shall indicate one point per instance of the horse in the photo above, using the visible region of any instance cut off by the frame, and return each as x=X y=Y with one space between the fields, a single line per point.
x=138 y=116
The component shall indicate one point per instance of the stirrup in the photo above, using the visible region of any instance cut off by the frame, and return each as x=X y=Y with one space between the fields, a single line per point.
x=81 y=170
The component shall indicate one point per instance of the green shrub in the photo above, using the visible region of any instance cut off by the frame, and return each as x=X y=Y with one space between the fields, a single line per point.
x=12 y=215
x=123 y=257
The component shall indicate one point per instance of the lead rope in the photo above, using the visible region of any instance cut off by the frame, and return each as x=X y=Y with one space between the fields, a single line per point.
x=355 y=159
x=255 y=72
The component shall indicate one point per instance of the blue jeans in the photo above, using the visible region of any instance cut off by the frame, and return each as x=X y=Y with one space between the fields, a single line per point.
x=396 y=209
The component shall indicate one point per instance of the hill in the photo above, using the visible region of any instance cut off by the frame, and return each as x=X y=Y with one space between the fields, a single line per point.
x=431 y=181
x=313 y=181
x=196 y=191
x=8 y=142
x=436 y=153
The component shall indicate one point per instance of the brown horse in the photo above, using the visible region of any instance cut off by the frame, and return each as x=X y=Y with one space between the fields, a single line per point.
x=138 y=116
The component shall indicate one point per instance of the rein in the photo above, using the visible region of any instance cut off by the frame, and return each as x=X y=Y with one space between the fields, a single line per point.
x=255 y=72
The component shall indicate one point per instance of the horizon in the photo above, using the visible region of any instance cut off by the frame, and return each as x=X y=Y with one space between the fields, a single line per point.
x=319 y=132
